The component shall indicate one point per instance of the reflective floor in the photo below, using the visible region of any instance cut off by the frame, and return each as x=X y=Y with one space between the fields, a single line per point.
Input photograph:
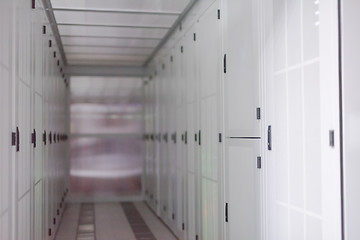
x=112 y=221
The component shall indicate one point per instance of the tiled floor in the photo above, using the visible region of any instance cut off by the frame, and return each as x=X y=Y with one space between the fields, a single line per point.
x=111 y=223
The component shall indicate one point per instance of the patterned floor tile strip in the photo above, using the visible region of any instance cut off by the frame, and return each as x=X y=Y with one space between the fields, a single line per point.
x=86 y=224
x=137 y=223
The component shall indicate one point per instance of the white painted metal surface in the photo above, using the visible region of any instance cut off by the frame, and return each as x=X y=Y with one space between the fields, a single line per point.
x=350 y=89
x=244 y=189
x=302 y=102
x=242 y=94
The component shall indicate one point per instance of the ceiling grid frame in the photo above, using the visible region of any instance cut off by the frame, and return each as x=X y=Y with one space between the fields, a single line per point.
x=126 y=28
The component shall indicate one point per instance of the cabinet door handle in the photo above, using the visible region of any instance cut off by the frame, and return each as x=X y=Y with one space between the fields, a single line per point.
x=269 y=142
x=17 y=139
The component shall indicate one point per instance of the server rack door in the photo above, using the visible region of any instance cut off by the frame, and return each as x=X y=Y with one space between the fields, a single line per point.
x=157 y=111
x=191 y=173
x=23 y=164
x=172 y=90
x=6 y=103
x=242 y=63
x=302 y=168
x=38 y=167
x=243 y=191
x=163 y=149
x=208 y=37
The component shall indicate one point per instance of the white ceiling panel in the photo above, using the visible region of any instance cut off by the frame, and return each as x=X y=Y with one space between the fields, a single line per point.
x=110 y=42
x=100 y=50
x=114 y=57
x=112 y=18
x=139 y=5
x=114 y=32
x=101 y=57
x=109 y=31
x=126 y=62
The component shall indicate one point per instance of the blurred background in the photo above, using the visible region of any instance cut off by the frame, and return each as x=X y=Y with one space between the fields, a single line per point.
x=106 y=131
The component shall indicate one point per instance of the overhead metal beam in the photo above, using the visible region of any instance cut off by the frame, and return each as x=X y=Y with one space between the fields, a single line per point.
x=113 y=26
x=116 y=11
x=107 y=54
x=111 y=37
x=106 y=46
x=91 y=70
x=171 y=31
x=51 y=17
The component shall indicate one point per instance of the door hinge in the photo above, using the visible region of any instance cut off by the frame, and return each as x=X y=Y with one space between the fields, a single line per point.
x=182 y=49
x=226 y=212
x=224 y=63
x=220 y=137
x=195 y=137
x=218 y=14
x=186 y=137
x=194 y=37
x=197 y=237
x=269 y=141
x=49 y=233
x=50 y=138
x=258 y=113
x=183 y=226
x=258 y=162
x=332 y=138
x=50 y=43
x=33 y=4
x=173 y=216
x=44 y=29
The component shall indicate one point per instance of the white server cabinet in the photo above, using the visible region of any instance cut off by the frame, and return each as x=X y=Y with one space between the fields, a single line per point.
x=191 y=172
x=180 y=158
x=243 y=189
x=157 y=128
x=302 y=162
x=350 y=113
x=242 y=68
x=172 y=89
x=23 y=170
x=6 y=103
x=208 y=37
x=164 y=159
